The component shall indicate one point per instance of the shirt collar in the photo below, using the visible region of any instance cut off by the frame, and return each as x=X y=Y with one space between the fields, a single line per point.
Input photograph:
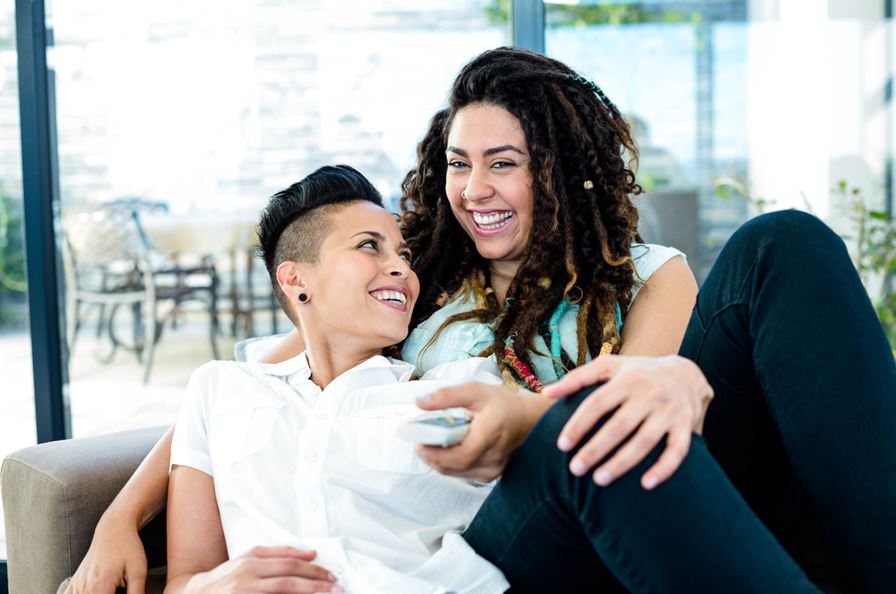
x=298 y=365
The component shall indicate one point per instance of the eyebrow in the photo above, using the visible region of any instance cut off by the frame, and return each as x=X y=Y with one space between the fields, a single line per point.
x=380 y=236
x=487 y=152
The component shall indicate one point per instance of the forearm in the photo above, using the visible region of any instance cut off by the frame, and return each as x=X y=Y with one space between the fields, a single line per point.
x=145 y=493
x=191 y=583
x=291 y=345
x=534 y=407
x=178 y=585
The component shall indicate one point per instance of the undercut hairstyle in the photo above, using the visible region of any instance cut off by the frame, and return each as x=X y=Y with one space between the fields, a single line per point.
x=296 y=220
x=582 y=158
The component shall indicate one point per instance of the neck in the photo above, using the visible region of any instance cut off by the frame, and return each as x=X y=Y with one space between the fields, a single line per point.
x=502 y=274
x=330 y=357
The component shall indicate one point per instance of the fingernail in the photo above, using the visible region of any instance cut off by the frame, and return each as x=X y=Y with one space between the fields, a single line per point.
x=603 y=478
x=424 y=398
x=564 y=444
x=336 y=589
x=650 y=482
x=331 y=577
x=577 y=467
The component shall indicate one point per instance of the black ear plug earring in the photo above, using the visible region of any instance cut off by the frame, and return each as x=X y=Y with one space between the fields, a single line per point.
x=303 y=297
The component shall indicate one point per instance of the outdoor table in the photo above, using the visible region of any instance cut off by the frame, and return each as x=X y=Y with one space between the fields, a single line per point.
x=211 y=234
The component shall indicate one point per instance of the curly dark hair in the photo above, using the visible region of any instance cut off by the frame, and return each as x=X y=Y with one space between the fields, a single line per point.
x=575 y=135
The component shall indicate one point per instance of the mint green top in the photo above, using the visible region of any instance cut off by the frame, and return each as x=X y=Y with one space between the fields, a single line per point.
x=462 y=340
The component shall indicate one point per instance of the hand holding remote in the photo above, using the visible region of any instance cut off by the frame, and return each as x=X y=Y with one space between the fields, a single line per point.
x=440 y=428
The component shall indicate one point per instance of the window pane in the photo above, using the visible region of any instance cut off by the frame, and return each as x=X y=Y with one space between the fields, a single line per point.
x=189 y=116
x=17 y=428
x=747 y=107
x=678 y=74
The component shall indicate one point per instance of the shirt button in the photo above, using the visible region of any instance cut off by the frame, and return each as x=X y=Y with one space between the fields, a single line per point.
x=311 y=457
x=311 y=503
x=323 y=416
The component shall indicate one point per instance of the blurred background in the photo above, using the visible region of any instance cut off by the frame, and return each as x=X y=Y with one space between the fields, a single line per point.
x=173 y=121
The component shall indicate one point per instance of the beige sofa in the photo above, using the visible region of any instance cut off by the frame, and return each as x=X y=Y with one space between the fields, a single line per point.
x=53 y=496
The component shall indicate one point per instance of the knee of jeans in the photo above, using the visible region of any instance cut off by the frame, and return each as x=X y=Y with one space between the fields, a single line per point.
x=787 y=232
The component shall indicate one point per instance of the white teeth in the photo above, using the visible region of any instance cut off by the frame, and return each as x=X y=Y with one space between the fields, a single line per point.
x=492 y=220
x=395 y=296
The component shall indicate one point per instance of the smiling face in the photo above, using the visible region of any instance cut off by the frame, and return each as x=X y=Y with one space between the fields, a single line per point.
x=488 y=182
x=362 y=289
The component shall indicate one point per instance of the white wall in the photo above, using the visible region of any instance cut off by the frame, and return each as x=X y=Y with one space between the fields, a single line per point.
x=816 y=110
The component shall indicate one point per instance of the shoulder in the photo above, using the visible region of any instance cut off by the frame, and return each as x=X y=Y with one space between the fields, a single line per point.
x=649 y=257
x=215 y=371
x=226 y=383
x=431 y=343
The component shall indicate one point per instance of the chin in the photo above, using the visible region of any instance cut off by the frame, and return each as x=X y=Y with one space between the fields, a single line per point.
x=493 y=252
x=392 y=336
x=398 y=338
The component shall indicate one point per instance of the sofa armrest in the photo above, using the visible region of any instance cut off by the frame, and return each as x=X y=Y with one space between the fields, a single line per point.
x=53 y=497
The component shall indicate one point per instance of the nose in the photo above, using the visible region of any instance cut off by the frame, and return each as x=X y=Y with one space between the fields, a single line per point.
x=477 y=188
x=399 y=267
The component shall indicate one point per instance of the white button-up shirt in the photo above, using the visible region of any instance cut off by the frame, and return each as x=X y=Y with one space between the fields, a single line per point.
x=325 y=470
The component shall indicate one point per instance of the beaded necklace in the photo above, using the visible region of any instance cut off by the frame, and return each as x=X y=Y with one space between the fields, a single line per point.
x=524 y=372
x=554 y=327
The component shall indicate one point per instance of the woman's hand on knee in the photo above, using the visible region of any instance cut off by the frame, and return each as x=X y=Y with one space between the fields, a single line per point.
x=647 y=399
x=501 y=419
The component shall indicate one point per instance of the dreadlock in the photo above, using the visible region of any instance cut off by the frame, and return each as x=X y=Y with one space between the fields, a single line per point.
x=578 y=142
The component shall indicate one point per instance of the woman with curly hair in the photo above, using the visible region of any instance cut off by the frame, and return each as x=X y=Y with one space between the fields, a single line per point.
x=525 y=241
x=520 y=216
x=756 y=333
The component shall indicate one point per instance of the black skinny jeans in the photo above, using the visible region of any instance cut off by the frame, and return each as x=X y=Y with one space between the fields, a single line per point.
x=804 y=413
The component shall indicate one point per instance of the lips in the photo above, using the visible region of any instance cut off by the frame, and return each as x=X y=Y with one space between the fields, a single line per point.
x=392 y=296
x=491 y=222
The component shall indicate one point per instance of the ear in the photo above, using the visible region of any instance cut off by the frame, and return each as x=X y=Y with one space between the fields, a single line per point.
x=290 y=276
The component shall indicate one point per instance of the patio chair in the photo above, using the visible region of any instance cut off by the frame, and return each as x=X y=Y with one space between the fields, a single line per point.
x=109 y=265
x=250 y=296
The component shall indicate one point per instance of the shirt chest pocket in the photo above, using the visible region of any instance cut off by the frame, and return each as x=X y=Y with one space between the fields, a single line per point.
x=238 y=433
x=377 y=445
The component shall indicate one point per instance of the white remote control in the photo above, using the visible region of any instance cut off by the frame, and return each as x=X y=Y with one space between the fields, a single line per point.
x=439 y=430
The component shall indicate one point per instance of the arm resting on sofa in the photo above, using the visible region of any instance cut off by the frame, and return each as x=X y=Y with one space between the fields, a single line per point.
x=53 y=497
